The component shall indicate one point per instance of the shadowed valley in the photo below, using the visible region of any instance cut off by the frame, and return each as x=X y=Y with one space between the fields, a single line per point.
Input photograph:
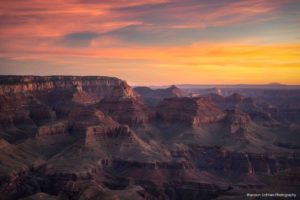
x=93 y=137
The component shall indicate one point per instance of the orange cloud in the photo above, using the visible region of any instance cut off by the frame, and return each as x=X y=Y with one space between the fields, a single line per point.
x=100 y=36
x=202 y=62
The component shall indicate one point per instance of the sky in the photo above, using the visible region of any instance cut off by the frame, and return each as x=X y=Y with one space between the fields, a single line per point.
x=154 y=42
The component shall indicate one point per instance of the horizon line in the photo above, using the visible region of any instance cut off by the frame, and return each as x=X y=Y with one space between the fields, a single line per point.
x=270 y=84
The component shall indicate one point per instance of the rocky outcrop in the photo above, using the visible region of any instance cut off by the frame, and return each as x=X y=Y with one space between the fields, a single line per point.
x=237 y=121
x=101 y=133
x=189 y=111
x=83 y=97
x=127 y=111
x=81 y=118
x=216 y=159
x=109 y=132
x=154 y=96
x=14 y=111
x=102 y=87
x=56 y=128
x=27 y=102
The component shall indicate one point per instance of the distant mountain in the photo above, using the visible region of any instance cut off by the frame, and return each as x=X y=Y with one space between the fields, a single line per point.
x=242 y=103
x=270 y=85
x=154 y=96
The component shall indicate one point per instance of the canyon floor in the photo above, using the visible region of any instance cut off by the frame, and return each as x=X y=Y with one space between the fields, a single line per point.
x=93 y=137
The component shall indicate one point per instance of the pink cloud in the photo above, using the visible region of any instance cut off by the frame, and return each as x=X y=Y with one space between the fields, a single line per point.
x=33 y=27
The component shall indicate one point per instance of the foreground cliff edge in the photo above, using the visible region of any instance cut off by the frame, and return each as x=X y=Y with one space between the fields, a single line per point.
x=72 y=137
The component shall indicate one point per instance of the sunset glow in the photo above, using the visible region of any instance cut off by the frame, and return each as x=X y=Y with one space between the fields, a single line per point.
x=153 y=42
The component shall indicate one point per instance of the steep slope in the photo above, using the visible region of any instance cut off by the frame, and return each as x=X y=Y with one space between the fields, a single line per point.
x=27 y=102
x=127 y=111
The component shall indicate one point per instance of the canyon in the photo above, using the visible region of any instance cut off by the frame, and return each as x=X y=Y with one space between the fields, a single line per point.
x=96 y=137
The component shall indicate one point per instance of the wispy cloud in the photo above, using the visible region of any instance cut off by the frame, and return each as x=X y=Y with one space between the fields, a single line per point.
x=156 y=34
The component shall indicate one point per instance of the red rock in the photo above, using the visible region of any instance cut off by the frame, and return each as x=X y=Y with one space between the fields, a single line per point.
x=189 y=111
x=128 y=111
x=103 y=87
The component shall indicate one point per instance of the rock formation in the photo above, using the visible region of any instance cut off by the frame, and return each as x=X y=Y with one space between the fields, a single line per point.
x=102 y=87
x=189 y=111
x=127 y=111
x=52 y=129
x=237 y=121
x=244 y=104
x=154 y=96
x=71 y=137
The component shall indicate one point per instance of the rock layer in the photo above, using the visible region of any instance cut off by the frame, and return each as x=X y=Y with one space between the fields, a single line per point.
x=52 y=129
x=66 y=137
x=102 y=87
x=189 y=111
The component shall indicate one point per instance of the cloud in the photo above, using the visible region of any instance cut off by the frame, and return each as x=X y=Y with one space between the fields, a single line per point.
x=79 y=39
x=231 y=62
x=41 y=18
x=151 y=34
x=201 y=14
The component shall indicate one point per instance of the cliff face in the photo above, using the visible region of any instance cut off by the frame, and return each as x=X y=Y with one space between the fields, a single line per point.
x=52 y=129
x=102 y=87
x=127 y=111
x=28 y=102
x=189 y=111
x=237 y=121
x=183 y=177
